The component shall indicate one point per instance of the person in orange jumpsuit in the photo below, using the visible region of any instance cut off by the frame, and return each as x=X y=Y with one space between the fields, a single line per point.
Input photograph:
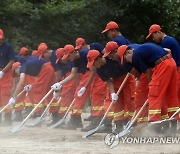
x=63 y=69
x=54 y=108
x=97 y=96
x=113 y=33
x=162 y=78
x=7 y=57
x=141 y=92
x=165 y=41
x=111 y=72
x=69 y=88
x=141 y=96
x=79 y=59
x=111 y=48
x=22 y=57
x=20 y=101
x=43 y=70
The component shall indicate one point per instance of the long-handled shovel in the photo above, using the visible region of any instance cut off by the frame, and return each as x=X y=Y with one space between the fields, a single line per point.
x=42 y=117
x=93 y=131
x=8 y=104
x=127 y=129
x=171 y=118
x=64 y=117
x=134 y=114
x=20 y=127
x=4 y=108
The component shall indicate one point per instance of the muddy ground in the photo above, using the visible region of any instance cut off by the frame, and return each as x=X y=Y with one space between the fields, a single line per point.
x=40 y=140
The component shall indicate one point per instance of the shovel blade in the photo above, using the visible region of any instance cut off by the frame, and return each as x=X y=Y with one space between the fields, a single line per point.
x=32 y=122
x=40 y=120
x=89 y=133
x=35 y=122
x=127 y=124
x=123 y=133
x=57 y=124
x=93 y=131
x=158 y=122
x=17 y=128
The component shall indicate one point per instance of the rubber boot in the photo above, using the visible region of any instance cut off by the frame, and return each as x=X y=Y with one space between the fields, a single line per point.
x=119 y=126
x=18 y=116
x=88 y=118
x=55 y=118
x=7 y=119
x=107 y=128
x=93 y=124
x=74 y=123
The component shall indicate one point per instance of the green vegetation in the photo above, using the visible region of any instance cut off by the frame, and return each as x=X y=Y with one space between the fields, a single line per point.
x=58 y=22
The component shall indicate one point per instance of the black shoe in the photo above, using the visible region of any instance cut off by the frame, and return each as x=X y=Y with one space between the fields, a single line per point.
x=7 y=119
x=119 y=126
x=36 y=114
x=94 y=123
x=27 y=110
x=157 y=128
x=55 y=118
x=74 y=123
x=165 y=127
x=88 y=118
x=125 y=121
x=107 y=128
x=134 y=124
x=18 y=116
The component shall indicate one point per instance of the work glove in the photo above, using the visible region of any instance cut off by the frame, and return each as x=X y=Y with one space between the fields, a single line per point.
x=1 y=74
x=28 y=87
x=56 y=86
x=55 y=94
x=12 y=101
x=114 y=96
x=81 y=91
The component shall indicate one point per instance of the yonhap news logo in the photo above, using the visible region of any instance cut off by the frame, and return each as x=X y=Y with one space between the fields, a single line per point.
x=112 y=140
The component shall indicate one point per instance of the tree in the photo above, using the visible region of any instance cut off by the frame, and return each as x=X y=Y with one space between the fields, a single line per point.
x=58 y=22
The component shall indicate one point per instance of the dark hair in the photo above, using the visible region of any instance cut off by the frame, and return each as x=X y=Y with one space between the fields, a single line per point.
x=117 y=29
x=100 y=56
x=129 y=48
x=26 y=53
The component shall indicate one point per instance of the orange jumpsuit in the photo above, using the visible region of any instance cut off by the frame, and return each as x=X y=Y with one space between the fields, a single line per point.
x=98 y=96
x=44 y=81
x=162 y=92
x=67 y=95
x=140 y=98
x=124 y=107
x=80 y=101
x=5 y=89
x=178 y=86
x=25 y=99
